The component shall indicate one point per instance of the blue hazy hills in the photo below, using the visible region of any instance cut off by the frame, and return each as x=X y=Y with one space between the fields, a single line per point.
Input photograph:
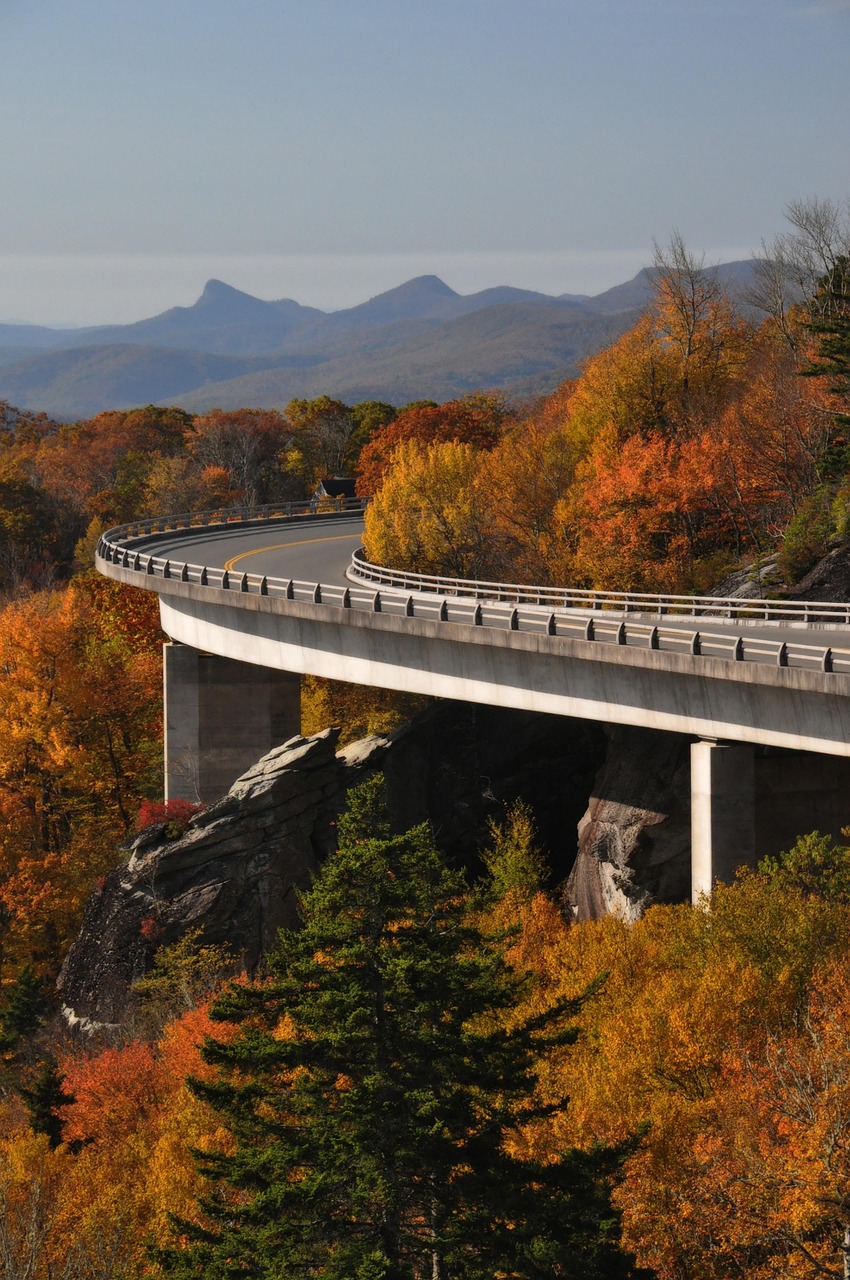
x=231 y=350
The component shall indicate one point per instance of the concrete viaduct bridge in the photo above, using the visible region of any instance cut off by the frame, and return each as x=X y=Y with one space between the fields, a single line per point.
x=253 y=599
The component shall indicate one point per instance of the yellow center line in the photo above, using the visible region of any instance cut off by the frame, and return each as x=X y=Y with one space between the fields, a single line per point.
x=281 y=546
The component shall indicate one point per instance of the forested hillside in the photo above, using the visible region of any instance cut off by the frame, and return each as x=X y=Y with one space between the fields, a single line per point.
x=698 y=438
x=439 y=1074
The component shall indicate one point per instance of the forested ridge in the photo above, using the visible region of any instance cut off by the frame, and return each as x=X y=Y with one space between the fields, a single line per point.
x=664 y=1098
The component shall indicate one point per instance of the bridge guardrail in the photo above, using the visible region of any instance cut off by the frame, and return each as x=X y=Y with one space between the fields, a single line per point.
x=659 y=604
x=473 y=607
x=271 y=511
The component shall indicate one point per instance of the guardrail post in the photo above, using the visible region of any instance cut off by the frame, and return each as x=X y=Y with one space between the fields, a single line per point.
x=225 y=581
x=514 y=620
x=166 y=569
x=738 y=651
x=136 y=559
x=696 y=643
x=290 y=590
x=826 y=662
x=782 y=655
x=264 y=586
x=408 y=607
x=589 y=630
x=477 y=617
x=621 y=633
x=653 y=638
x=346 y=599
x=444 y=611
x=184 y=572
x=243 y=584
x=376 y=602
x=205 y=581
x=317 y=593
x=551 y=625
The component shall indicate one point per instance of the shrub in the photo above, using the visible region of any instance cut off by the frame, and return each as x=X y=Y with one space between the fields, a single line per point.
x=175 y=813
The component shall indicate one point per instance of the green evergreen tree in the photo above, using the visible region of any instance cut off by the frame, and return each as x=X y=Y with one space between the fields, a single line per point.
x=44 y=1097
x=370 y=1088
x=25 y=1009
x=830 y=323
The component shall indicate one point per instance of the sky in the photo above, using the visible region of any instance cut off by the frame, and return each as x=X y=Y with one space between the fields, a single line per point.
x=329 y=149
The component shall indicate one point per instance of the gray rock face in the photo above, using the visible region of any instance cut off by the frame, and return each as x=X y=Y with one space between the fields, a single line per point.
x=236 y=871
x=635 y=837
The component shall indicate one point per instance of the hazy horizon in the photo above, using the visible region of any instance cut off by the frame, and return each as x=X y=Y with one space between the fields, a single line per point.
x=330 y=151
x=73 y=291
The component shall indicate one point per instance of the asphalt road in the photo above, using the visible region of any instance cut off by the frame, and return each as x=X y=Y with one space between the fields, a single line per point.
x=309 y=551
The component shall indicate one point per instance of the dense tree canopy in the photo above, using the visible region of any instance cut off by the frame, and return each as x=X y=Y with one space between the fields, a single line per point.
x=371 y=1088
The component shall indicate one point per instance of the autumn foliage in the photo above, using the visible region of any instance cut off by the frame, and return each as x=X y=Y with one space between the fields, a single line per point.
x=690 y=443
x=717 y=1041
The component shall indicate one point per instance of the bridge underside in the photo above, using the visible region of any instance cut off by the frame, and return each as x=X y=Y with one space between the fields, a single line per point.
x=243 y=708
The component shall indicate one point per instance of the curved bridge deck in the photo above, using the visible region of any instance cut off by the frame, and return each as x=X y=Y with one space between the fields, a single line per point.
x=257 y=598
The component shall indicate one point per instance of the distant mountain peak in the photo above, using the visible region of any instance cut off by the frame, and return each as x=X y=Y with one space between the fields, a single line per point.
x=431 y=287
x=432 y=283
x=217 y=292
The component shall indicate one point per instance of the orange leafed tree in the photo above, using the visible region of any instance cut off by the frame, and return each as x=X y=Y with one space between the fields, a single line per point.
x=80 y=745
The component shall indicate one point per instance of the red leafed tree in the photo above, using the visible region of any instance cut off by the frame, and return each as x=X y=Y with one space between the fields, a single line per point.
x=476 y=420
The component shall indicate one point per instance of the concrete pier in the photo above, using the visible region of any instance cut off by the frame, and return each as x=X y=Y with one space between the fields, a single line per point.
x=221 y=715
x=723 y=813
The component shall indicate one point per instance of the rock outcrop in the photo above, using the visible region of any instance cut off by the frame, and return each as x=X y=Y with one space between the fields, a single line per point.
x=236 y=870
x=233 y=873
x=634 y=842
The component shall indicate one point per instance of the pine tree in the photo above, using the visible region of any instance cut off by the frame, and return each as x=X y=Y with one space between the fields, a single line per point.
x=370 y=1088
x=830 y=324
x=25 y=1008
x=44 y=1097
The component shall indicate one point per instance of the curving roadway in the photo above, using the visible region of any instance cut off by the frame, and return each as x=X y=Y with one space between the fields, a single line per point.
x=313 y=550
x=320 y=550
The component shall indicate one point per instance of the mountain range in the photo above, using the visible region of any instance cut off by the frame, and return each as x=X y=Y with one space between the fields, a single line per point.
x=230 y=350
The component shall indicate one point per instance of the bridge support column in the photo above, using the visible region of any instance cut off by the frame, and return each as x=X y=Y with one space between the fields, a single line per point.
x=722 y=813
x=220 y=717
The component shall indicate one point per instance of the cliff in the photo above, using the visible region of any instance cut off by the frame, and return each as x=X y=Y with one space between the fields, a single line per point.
x=236 y=870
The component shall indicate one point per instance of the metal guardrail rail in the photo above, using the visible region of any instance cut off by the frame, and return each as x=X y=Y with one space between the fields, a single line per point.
x=512 y=607
x=271 y=511
x=659 y=604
